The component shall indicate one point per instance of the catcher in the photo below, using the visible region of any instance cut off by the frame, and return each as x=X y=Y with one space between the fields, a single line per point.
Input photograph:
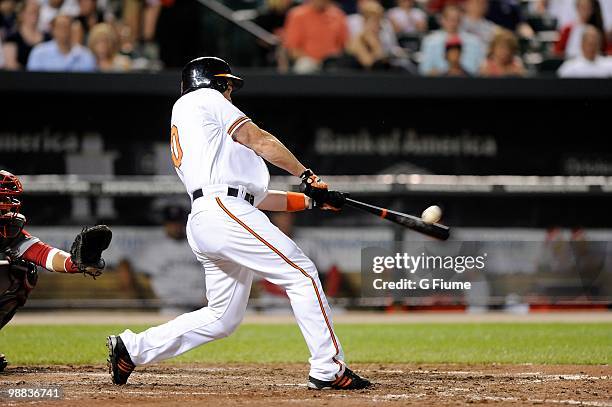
x=21 y=253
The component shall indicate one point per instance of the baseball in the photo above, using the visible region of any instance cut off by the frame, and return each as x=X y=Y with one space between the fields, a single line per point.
x=432 y=214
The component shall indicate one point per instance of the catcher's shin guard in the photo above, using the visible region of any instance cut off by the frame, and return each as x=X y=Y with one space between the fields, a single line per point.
x=120 y=364
x=17 y=280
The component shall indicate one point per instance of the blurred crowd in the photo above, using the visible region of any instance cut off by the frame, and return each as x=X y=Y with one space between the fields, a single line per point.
x=78 y=35
x=450 y=38
x=572 y=38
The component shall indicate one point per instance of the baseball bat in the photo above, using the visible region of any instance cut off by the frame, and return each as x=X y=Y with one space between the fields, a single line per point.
x=434 y=230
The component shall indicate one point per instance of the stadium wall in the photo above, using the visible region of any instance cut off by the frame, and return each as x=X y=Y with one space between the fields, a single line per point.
x=342 y=124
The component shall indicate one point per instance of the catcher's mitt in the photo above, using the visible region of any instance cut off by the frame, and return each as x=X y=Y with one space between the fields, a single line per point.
x=87 y=248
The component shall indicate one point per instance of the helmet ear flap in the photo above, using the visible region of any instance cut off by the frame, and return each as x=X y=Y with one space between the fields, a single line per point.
x=220 y=84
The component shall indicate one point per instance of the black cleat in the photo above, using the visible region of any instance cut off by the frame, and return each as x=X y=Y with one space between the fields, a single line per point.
x=120 y=364
x=3 y=362
x=348 y=381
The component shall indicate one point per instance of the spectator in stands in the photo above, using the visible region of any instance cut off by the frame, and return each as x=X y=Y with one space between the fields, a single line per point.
x=1 y=56
x=565 y=11
x=60 y=54
x=8 y=17
x=19 y=43
x=126 y=44
x=104 y=44
x=141 y=56
x=315 y=31
x=406 y=18
x=474 y=21
x=503 y=59
x=434 y=46
x=89 y=15
x=453 y=58
x=589 y=13
x=386 y=34
x=49 y=9
x=367 y=47
x=590 y=63
x=355 y=21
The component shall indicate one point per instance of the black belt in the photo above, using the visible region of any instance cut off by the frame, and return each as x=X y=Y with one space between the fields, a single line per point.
x=230 y=192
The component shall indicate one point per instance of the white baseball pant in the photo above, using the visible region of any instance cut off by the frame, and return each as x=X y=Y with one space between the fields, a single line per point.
x=233 y=240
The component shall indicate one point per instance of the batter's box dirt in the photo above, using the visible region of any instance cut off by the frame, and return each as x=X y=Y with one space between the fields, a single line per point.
x=276 y=385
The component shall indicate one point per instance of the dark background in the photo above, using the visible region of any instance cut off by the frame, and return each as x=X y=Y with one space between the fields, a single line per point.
x=535 y=126
x=461 y=126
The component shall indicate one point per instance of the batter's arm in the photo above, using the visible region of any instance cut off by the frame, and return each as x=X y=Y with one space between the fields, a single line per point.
x=268 y=147
x=282 y=201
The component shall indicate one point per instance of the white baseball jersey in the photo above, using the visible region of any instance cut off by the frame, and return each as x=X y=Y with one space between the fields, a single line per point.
x=233 y=240
x=203 y=150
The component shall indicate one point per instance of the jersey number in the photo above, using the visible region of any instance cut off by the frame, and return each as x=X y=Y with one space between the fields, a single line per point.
x=175 y=147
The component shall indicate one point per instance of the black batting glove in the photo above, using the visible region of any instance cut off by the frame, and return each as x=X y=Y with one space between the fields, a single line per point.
x=335 y=200
x=313 y=187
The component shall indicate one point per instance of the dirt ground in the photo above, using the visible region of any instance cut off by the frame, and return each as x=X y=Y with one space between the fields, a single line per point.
x=276 y=385
x=286 y=317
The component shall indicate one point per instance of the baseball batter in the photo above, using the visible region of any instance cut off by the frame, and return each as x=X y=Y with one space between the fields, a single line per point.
x=219 y=156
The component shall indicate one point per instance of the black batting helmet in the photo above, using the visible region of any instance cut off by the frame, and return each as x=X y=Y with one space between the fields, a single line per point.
x=208 y=72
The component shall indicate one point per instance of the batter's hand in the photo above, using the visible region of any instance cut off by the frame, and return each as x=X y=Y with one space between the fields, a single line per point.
x=313 y=187
x=334 y=201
